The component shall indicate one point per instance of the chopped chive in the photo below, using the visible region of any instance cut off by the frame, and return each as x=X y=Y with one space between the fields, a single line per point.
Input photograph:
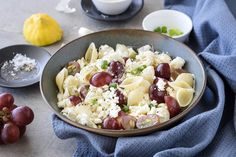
x=151 y=105
x=138 y=70
x=94 y=101
x=125 y=108
x=113 y=85
x=158 y=29
x=163 y=29
x=104 y=64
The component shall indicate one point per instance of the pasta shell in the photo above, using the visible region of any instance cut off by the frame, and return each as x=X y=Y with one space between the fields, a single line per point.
x=91 y=54
x=179 y=84
x=186 y=77
x=132 y=83
x=61 y=76
x=148 y=74
x=135 y=96
x=184 y=97
x=71 y=83
x=122 y=50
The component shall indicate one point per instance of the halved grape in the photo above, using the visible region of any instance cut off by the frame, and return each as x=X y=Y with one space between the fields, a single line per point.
x=156 y=94
x=126 y=121
x=163 y=71
x=147 y=121
x=22 y=116
x=75 y=100
x=73 y=67
x=122 y=99
x=83 y=90
x=6 y=100
x=116 y=68
x=173 y=105
x=111 y=123
x=100 y=79
x=10 y=133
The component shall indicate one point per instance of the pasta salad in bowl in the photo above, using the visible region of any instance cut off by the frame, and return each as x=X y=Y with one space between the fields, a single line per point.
x=123 y=82
x=122 y=89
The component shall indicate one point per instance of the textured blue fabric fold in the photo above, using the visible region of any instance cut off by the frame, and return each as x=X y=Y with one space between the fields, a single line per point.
x=209 y=129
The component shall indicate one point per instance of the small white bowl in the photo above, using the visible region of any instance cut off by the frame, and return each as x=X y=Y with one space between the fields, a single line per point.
x=172 y=19
x=112 y=7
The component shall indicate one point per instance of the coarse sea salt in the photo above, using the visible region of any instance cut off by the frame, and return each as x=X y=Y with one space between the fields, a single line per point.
x=22 y=62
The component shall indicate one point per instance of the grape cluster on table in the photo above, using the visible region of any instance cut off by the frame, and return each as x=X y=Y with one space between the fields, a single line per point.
x=13 y=119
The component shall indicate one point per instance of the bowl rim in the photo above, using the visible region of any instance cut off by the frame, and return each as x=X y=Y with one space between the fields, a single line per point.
x=171 y=11
x=133 y=132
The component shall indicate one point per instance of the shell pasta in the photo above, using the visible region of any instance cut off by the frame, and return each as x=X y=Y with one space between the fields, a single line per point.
x=121 y=89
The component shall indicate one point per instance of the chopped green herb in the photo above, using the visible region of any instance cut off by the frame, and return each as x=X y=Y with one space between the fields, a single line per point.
x=104 y=64
x=113 y=85
x=94 y=101
x=163 y=29
x=174 y=32
x=138 y=70
x=151 y=105
x=170 y=32
x=125 y=108
x=158 y=29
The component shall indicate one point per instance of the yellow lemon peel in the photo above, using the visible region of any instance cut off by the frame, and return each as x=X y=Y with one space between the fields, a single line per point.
x=41 y=30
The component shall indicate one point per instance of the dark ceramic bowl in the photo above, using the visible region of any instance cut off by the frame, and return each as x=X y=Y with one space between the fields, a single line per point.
x=136 y=38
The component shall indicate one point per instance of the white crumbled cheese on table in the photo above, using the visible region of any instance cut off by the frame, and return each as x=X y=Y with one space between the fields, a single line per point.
x=22 y=62
x=63 y=6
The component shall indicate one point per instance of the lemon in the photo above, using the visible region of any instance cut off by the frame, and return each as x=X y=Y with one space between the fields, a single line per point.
x=184 y=96
x=41 y=30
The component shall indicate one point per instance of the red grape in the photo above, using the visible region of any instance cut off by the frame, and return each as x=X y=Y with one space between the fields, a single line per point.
x=22 y=130
x=73 y=67
x=116 y=68
x=156 y=94
x=84 y=91
x=100 y=79
x=147 y=121
x=75 y=100
x=122 y=99
x=6 y=100
x=126 y=121
x=173 y=105
x=163 y=71
x=22 y=115
x=111 y=123
x=10 y=133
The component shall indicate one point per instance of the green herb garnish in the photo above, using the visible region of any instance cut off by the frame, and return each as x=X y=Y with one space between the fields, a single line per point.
x=113 y=85
x=125 y=108
x=94 y=101
x=163 y=29
x=151 y=105
x=158 y=29
x=174 y=32
x=104 y=64
x=170 y=32
x=138 y=70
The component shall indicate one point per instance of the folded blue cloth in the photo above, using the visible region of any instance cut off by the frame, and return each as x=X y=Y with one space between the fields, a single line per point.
x=209 y=129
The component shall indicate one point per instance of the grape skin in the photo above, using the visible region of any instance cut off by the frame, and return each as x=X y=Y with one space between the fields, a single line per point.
x=22 y=115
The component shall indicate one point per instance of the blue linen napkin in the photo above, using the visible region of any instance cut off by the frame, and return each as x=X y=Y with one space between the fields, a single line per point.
x=209 y=129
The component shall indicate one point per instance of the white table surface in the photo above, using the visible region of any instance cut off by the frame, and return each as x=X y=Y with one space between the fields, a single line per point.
x=40 y=140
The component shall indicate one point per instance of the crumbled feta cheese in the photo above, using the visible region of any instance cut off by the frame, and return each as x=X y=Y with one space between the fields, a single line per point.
x=161 y=84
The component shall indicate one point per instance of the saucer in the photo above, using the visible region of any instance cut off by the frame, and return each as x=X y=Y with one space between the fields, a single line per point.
x=9 y=77
x=91 y=11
